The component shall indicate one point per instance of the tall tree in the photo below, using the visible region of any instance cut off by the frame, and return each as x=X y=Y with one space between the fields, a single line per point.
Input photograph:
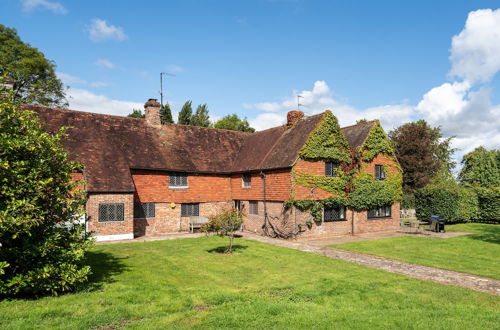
x=185 y=114
x=481 y=168
x=166 y=114
x=33 y=76
x=42 y=242
x=233 y=122
x=136 y=113
x=422 y=153
x=201 y=117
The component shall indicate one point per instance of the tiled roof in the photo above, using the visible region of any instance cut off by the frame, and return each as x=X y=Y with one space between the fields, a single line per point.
x=109 y=146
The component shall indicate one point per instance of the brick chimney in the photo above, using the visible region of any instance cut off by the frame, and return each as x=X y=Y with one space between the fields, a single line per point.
x=293 y=117
x=152 y=112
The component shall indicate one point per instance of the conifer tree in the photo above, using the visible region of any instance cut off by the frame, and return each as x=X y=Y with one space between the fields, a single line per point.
x=166 y=114
x=185 y=114
x=201 y=117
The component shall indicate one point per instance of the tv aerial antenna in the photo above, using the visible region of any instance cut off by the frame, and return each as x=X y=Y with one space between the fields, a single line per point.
x=298 y=101
x=161 y=85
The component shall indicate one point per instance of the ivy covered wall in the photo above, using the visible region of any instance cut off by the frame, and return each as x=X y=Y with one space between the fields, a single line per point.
x=354 y=185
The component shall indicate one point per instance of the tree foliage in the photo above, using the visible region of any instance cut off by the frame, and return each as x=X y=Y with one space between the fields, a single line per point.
x=136 y=113
x=201 y=117
x=234 y=123
x=422 y=153
x=42 y=243
x=34 y=78
x=185 y=114
x=481 y=168
x=225 y=224
x=166 y=114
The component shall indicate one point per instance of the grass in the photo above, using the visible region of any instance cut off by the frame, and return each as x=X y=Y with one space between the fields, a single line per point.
x=187 y=283
x=477 y=254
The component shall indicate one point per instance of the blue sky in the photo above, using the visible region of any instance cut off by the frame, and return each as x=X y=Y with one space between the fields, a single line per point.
x=392 y=60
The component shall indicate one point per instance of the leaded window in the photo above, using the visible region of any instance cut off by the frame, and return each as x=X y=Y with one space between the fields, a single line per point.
x=178 y=180
x=253 y=207
x=190 y=210
x=111 y=212
x=380 y=212
x=334 y=213
x=144 y=210
x=379 y=172
x=330 y=168
x=247 y=180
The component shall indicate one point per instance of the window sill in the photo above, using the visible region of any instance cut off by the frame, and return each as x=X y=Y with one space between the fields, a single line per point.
x=179 y=188
x=246 y=187
x=112 y=221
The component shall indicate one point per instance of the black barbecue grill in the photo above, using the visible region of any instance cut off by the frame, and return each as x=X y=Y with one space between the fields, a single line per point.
x=436 y=224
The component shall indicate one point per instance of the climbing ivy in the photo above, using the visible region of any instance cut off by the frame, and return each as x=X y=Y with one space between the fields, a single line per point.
x=376 y=143
x=326 y=142
x=352 y=187
x=369 y=193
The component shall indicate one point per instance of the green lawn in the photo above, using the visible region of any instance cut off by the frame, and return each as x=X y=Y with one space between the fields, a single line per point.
x=477 y=254
x=187 y=283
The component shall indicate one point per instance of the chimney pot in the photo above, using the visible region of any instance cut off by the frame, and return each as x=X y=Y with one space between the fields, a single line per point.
x=152 y=112
x=293 y=117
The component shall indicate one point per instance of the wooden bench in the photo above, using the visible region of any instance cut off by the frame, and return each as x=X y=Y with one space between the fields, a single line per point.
x=196 y=223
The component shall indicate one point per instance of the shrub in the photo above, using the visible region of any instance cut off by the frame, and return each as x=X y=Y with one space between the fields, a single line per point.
x=453 y=203
x=489 y=203
x=42 y=244
x=225 y=224
x=408 y=202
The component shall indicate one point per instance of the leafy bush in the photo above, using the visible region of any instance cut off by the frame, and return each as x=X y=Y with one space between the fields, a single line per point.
x=408 y=202
x=489 y=203
x=42 y=244
x=453 y=203
x=225 y=224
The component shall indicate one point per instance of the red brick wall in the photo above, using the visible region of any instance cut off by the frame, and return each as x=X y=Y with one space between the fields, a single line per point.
x=115 y=227
x=316 y=168
x=278 y=186
x=153 y=186
x=378 y=160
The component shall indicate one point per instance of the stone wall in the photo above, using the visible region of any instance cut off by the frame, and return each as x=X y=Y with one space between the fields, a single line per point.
x=112 y=229
x=168 y=219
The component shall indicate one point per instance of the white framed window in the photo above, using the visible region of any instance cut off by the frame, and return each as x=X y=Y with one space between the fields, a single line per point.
x=246 y=181
x=334 y=213
x=190 y=210
x=330 y=168
x=253 y=207
x=380 y=212
x=178 y=180
x=144 y=210
x=111 y=212
x=380 y=172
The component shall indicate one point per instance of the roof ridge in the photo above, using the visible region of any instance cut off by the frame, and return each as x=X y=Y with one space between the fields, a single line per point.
x=367 y=122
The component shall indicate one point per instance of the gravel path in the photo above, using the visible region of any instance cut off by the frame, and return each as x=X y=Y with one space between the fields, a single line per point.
x=437 y=275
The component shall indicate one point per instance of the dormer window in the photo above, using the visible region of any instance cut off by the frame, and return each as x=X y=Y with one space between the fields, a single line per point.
x=379 y=172
x=246 y=181
x=330 y=168
x=178 y=180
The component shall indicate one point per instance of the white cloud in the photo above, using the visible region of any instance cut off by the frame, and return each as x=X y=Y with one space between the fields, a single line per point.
x=100 y=30
x=321 y=98
x=462 y=108
x=69 y=79
x=172 y=68
x=56 y=7
x=475 y=51
x=84 y=100
x=105 y=63
x=72 y=80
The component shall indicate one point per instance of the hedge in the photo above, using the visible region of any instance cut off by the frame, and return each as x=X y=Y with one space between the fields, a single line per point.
x=458 y=204
x=489 y=203
x=453 y=203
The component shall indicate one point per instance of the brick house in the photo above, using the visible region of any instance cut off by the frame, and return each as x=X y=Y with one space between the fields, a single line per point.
x=145 y=178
